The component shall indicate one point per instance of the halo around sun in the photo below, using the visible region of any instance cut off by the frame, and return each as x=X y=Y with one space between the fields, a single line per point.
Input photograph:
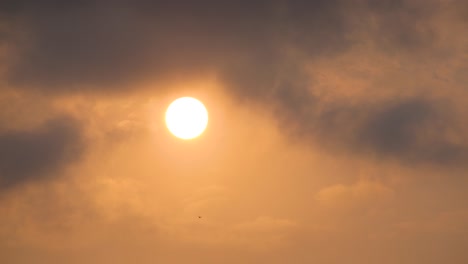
x=186 y=118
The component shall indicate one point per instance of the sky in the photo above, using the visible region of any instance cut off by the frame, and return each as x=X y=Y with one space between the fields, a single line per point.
x=338 y=132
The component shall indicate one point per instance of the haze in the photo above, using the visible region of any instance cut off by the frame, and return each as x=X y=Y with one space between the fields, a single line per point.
x=338 y=132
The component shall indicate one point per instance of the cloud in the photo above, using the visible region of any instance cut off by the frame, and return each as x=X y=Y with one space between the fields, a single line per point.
x=37 y=154
x=358 y=194
x=267 y=54
x=414 y=131
x=98 y=46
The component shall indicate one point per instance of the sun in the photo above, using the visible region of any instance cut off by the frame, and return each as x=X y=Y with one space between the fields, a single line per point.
x=186 y=118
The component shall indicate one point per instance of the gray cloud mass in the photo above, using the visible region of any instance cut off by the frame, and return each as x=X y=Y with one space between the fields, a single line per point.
x=40 y=153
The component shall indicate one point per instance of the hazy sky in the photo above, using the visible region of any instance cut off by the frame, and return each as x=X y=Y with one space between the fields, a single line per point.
x=338 y=132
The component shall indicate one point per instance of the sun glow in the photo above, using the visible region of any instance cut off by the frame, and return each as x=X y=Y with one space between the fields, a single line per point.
x=186 y=118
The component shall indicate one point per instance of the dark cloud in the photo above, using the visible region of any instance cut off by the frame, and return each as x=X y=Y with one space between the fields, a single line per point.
x=95 y=46
x=394 y=129
x=403 y=26
x=413 y=131
x=39 y=153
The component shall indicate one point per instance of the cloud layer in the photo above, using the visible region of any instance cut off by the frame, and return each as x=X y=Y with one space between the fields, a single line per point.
x=36 y=154
x=263 y=52
x=338 y=131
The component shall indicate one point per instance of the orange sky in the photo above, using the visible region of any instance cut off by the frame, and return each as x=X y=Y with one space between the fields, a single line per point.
x=337 y=132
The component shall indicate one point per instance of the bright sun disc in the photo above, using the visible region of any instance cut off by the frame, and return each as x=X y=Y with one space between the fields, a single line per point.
x=186 y=118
